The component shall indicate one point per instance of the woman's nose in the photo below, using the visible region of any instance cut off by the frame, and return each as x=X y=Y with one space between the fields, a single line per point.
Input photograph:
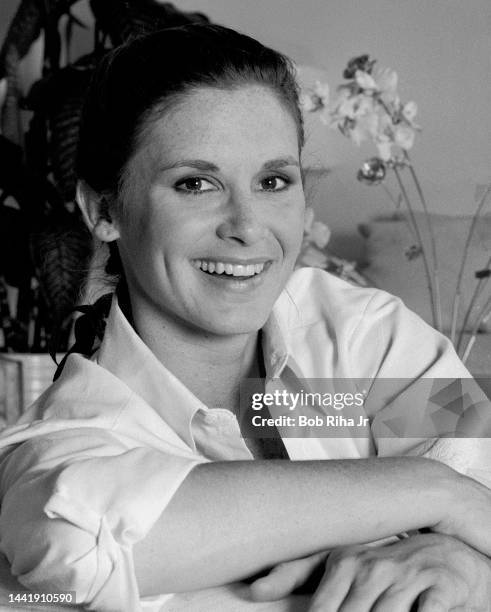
x=241 y=223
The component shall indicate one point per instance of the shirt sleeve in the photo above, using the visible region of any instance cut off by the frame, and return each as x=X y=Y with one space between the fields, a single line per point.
x=75 y=502
x=422 y=400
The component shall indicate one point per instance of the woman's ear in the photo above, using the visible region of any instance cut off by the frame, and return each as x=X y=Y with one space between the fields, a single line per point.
x=95 y=212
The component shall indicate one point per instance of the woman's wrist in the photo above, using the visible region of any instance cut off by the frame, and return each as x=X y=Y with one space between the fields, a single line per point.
x=445 y=488
x=462 y=504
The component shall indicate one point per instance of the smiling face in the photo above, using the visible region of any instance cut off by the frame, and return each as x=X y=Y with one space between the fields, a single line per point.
x=213 y=212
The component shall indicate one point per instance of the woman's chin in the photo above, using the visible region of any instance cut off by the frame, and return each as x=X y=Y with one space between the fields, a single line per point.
x=240 y=323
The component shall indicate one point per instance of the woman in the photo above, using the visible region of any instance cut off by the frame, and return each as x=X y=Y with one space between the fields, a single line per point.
x=137 y=478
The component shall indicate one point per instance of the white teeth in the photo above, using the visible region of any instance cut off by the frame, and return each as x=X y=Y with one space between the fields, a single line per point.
x=240 y=270
x=218 y=267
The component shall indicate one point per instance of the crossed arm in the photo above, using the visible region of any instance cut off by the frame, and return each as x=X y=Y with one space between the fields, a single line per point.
x=230 y=520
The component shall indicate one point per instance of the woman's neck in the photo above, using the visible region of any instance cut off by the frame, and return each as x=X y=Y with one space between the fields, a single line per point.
x=211 y=366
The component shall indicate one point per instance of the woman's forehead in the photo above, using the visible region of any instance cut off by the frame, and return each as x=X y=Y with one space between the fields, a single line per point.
x=211 y=121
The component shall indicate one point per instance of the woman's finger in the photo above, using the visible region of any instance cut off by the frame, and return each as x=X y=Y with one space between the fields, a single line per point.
x=370 y=580
x=285 y=578
x=365 y=580
x=449 y=591
x=335 y=585
x=401 y=598
x=436 y=599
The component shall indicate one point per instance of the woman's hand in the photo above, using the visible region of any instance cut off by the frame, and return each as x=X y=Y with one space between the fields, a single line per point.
x=437 y=571
x=286 y=577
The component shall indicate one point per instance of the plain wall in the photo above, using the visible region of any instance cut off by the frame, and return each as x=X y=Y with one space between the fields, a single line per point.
x=441 y=50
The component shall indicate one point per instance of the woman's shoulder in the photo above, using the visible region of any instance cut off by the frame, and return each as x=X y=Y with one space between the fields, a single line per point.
x=312 y=295
x=84 y=396
x=83 y=390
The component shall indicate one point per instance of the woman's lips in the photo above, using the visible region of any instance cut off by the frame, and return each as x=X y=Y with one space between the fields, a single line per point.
x=246 y=273
x=245 y=269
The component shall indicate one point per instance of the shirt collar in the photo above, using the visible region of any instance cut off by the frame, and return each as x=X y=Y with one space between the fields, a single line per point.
x=275 y=349
x=277 y=337
x=125 y=355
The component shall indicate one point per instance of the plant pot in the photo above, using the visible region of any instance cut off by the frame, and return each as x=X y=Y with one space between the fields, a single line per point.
x=23 y=377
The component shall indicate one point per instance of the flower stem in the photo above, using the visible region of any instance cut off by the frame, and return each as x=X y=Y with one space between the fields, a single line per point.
x=421 y=243
x=456 y=302
x=477 y=292
x=437 y=299
x=485 y=311
x=468 y=348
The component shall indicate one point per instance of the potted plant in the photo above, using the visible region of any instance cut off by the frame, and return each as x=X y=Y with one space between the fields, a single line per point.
x=45 y=250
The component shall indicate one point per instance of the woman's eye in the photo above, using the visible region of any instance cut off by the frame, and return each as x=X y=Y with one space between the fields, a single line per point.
x=274 y=183
x=195 y=185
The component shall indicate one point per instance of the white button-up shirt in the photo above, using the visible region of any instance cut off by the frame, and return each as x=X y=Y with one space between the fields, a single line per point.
x=90 y=467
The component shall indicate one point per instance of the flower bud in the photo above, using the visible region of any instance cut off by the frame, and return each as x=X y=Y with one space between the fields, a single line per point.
x=321 y=90
x=409 y=111
x=362 y=62
x=404 y=137
x=307 y=103
x=319 y=234
x=364 y=80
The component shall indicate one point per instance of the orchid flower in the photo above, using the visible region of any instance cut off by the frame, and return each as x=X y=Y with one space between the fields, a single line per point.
x=368 y=108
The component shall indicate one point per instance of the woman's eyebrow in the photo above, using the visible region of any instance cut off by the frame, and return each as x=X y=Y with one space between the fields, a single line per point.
x=200 y=164
x=280 y=163
x=205 y=166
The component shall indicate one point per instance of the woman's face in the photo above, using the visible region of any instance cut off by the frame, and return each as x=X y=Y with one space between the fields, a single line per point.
x=213 y=211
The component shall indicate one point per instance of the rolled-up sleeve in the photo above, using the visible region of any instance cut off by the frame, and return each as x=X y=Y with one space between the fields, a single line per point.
x=72 y=510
